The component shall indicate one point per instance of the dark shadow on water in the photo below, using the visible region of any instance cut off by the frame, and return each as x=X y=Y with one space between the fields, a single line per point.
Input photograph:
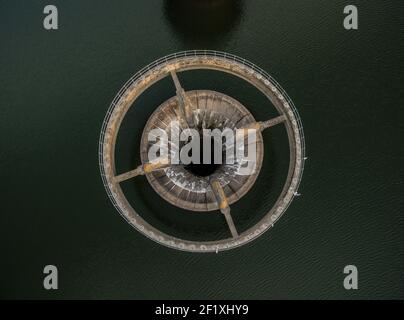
x=203 y=23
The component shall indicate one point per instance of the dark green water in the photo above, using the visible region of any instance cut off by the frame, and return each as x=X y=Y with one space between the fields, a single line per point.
x=55 y=88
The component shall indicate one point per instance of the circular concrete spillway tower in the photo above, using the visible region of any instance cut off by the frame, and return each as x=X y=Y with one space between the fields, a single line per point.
x=192 y=187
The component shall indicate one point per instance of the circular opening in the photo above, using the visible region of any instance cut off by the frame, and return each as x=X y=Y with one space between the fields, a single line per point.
x=206 y=166
x=187 y=185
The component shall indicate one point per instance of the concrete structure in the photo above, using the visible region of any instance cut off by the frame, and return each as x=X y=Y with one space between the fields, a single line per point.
x=178 y=184
x=170 y=66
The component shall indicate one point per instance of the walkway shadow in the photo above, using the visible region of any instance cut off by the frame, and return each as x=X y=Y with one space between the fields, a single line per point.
x=203 y=23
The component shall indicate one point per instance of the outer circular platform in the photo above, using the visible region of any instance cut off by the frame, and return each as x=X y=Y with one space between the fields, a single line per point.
x=190 y=60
